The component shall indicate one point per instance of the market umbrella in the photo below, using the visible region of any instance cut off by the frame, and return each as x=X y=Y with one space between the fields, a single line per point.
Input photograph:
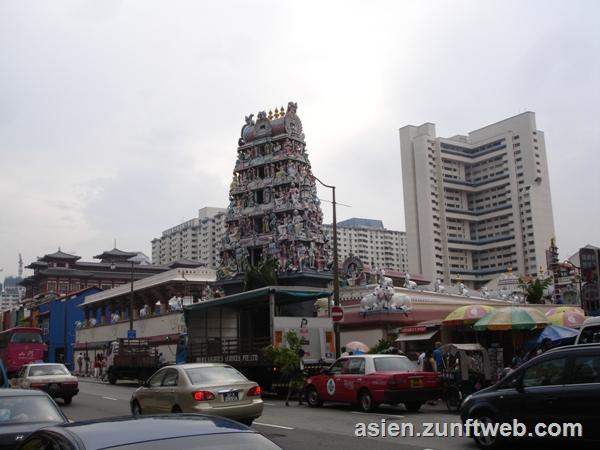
x=559 y=309
x=512 y=318
x=357 y=347
x=467 y=314
x=557 y=334
x=572 y=318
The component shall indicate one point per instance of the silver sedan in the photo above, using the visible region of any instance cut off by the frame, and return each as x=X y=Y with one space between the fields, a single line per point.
x=214 y=389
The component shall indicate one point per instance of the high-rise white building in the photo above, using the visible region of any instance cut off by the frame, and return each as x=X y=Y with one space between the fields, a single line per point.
x=368 y=239
x=196 y=239
x=10 y=297
x=477 y=204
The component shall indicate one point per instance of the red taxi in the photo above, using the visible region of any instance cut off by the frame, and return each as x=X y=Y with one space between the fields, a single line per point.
x=369 y=380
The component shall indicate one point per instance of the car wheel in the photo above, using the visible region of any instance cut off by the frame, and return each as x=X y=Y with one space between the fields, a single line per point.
x=68 y=400
x=413 y=406
x=176 y=410
x=312 y=398
x=136 y=409
x=484 y=441
x=366 y=402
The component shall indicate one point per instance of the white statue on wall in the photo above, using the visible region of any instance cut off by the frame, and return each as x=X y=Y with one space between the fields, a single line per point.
x=438 y=286
x=462 y=290
x=145 y=311
x=385 y=298
x=485 y=293
x=175 y=304
x=408 y=284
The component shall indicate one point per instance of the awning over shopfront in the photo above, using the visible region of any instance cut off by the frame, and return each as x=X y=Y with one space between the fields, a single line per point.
x=281 y=293
x=405 y=337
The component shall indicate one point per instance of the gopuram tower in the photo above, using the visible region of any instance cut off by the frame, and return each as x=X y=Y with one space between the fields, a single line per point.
x=274 y=219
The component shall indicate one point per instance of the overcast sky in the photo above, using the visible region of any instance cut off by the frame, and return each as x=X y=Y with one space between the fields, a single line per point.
x=118 y=119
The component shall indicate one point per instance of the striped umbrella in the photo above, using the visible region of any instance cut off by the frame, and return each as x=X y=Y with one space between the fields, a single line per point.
x=512 y=318
x=572 y=318
x=559 y=309
x=467 y=314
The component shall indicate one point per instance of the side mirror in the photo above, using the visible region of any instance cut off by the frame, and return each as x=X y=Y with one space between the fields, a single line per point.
x=517 y=383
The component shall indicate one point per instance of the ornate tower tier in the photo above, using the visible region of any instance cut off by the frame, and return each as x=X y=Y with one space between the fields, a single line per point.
x=274 y=217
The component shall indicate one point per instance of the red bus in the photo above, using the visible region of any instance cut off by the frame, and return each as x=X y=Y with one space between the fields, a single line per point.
x=20 y=346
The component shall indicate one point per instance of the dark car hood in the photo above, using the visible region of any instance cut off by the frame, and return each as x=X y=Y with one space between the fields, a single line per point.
x=10 y=433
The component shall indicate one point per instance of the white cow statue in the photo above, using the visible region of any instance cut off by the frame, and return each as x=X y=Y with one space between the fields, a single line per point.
x=400 y=302
x=369 y=302
x=408 y=284
x=462 y=290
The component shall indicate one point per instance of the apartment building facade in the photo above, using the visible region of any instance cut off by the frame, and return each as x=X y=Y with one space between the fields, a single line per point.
x=196 y=239
x=368 y=239
x=477 y=204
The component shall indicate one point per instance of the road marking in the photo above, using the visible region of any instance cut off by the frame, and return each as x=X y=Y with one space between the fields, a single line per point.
x=378 y=414
x=271 y=425
x=110 y=398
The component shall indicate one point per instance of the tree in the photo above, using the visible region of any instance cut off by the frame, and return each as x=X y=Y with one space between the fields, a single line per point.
x=287 y=360
x=383 y=346
x=264 y=274
x=534 y=288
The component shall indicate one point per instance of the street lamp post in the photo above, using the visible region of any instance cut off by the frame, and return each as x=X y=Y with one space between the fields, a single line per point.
x=577 y=277
x=131 y=306
x=336 y=280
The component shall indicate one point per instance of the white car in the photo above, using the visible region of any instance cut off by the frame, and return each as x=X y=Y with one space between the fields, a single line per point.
x=589 y=332
x=54 y=379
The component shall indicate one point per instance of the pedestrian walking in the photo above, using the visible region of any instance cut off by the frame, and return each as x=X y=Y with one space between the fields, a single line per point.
x=429 y=364
x=79 y=363
x=297 y=380
x=438 y=356
x=86 y=362
x=420 y=360
x=97 y=365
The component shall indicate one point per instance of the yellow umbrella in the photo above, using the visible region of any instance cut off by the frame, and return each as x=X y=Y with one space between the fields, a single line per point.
x=572 y=318
x=467 y=314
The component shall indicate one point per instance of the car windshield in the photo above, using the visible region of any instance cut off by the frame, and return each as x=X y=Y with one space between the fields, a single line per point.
x=48 y=369
x=28 y=408
x=590 y=335
x=221 y=441
x=26 y=338
x=399 y=364
x=213 y=375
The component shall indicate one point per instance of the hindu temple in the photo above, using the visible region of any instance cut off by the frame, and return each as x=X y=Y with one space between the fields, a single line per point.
x=274 y=219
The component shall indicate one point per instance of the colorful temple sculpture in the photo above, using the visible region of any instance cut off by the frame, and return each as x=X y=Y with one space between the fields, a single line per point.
x=274 y=220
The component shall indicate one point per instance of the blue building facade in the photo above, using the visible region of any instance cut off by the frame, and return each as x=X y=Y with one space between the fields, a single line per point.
x=57 y=318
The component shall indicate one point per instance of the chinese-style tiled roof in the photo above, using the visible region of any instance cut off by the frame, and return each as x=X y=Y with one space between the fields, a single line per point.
x=36 y=265
x=60 y=255
x=115 y=253
x=120 y=266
